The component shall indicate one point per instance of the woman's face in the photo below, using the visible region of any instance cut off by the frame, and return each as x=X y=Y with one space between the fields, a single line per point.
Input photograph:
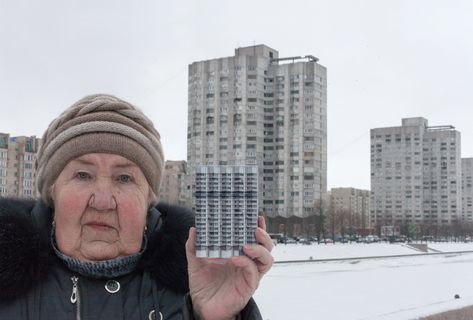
x=100 y=206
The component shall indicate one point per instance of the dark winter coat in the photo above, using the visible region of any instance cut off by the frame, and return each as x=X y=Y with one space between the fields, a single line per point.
x=35 y=284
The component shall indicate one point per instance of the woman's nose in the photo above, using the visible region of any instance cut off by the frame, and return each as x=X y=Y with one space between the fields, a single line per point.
x=102 y=200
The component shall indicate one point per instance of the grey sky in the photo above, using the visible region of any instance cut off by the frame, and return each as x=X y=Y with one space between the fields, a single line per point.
x=385 y=60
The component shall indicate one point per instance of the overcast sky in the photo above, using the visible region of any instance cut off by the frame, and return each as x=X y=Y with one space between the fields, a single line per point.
x=386 y=60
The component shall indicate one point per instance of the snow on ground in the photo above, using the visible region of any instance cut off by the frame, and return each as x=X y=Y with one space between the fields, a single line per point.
x=349 y=250
x=329 y=251
x=387 y=289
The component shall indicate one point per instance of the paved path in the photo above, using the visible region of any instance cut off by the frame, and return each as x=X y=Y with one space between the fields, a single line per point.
x=459 y=314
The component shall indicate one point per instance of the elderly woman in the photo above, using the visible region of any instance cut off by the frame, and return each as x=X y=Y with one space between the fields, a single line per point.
x=96 y=246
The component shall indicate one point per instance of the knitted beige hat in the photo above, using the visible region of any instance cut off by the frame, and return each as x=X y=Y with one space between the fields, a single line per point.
x=99 y=124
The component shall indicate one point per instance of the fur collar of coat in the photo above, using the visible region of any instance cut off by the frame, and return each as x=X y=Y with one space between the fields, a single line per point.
x=26 y=255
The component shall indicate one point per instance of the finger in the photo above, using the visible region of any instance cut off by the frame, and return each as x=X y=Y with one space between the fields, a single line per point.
x=190 y=246
x=261 y=222
x=263 y=258
x=190 y=243
x=263 y=238
x=249 y=268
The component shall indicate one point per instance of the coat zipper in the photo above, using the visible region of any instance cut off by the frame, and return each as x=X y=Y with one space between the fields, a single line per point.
x=75 y=297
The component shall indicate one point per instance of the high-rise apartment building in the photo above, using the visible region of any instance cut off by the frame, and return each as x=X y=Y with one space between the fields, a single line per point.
x=350 y=209
x=255 y=108
x=415 y=174
x=174 y=183
x=17 y=166
x=467 y=189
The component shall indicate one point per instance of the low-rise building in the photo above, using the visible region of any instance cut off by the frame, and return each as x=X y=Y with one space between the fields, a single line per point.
x=174 y=186
x=17 y=166
x=467 y=189
x=349 y=210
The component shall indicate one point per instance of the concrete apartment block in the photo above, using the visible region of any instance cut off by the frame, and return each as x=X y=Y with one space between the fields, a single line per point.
x=17 y=166
x=255 y=108
x=415 y=174
x=174 y=184
x=467 y=189
x=226 y=209
x=351 y=209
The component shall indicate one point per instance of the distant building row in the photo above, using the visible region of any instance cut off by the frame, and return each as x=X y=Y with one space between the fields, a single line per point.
x=349 y=206
x=17 y=179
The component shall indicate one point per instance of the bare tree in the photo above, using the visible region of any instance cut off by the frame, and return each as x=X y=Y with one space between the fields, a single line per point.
x=319 y=216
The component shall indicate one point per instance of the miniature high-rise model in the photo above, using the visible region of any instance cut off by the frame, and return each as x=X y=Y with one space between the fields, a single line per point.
x=226 y=209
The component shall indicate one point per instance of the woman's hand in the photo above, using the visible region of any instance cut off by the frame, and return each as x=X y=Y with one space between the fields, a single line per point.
x=221 y=288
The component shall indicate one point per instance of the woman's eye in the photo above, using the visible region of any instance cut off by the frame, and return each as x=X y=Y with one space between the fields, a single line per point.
x=124 y=178
x=83 y=175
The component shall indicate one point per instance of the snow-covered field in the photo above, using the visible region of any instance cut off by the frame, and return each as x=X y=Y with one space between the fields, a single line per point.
x=388 y=289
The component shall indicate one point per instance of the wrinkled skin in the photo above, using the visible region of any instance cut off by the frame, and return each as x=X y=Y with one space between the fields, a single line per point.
x=100 y=205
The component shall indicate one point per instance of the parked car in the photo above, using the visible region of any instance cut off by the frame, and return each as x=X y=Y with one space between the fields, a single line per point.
x=304 y=241
x=393 y=239
x=353 y=238
x=276 y=237
x=289 y=240
x=372 y=238
x=341 y=239
x=428 y=238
